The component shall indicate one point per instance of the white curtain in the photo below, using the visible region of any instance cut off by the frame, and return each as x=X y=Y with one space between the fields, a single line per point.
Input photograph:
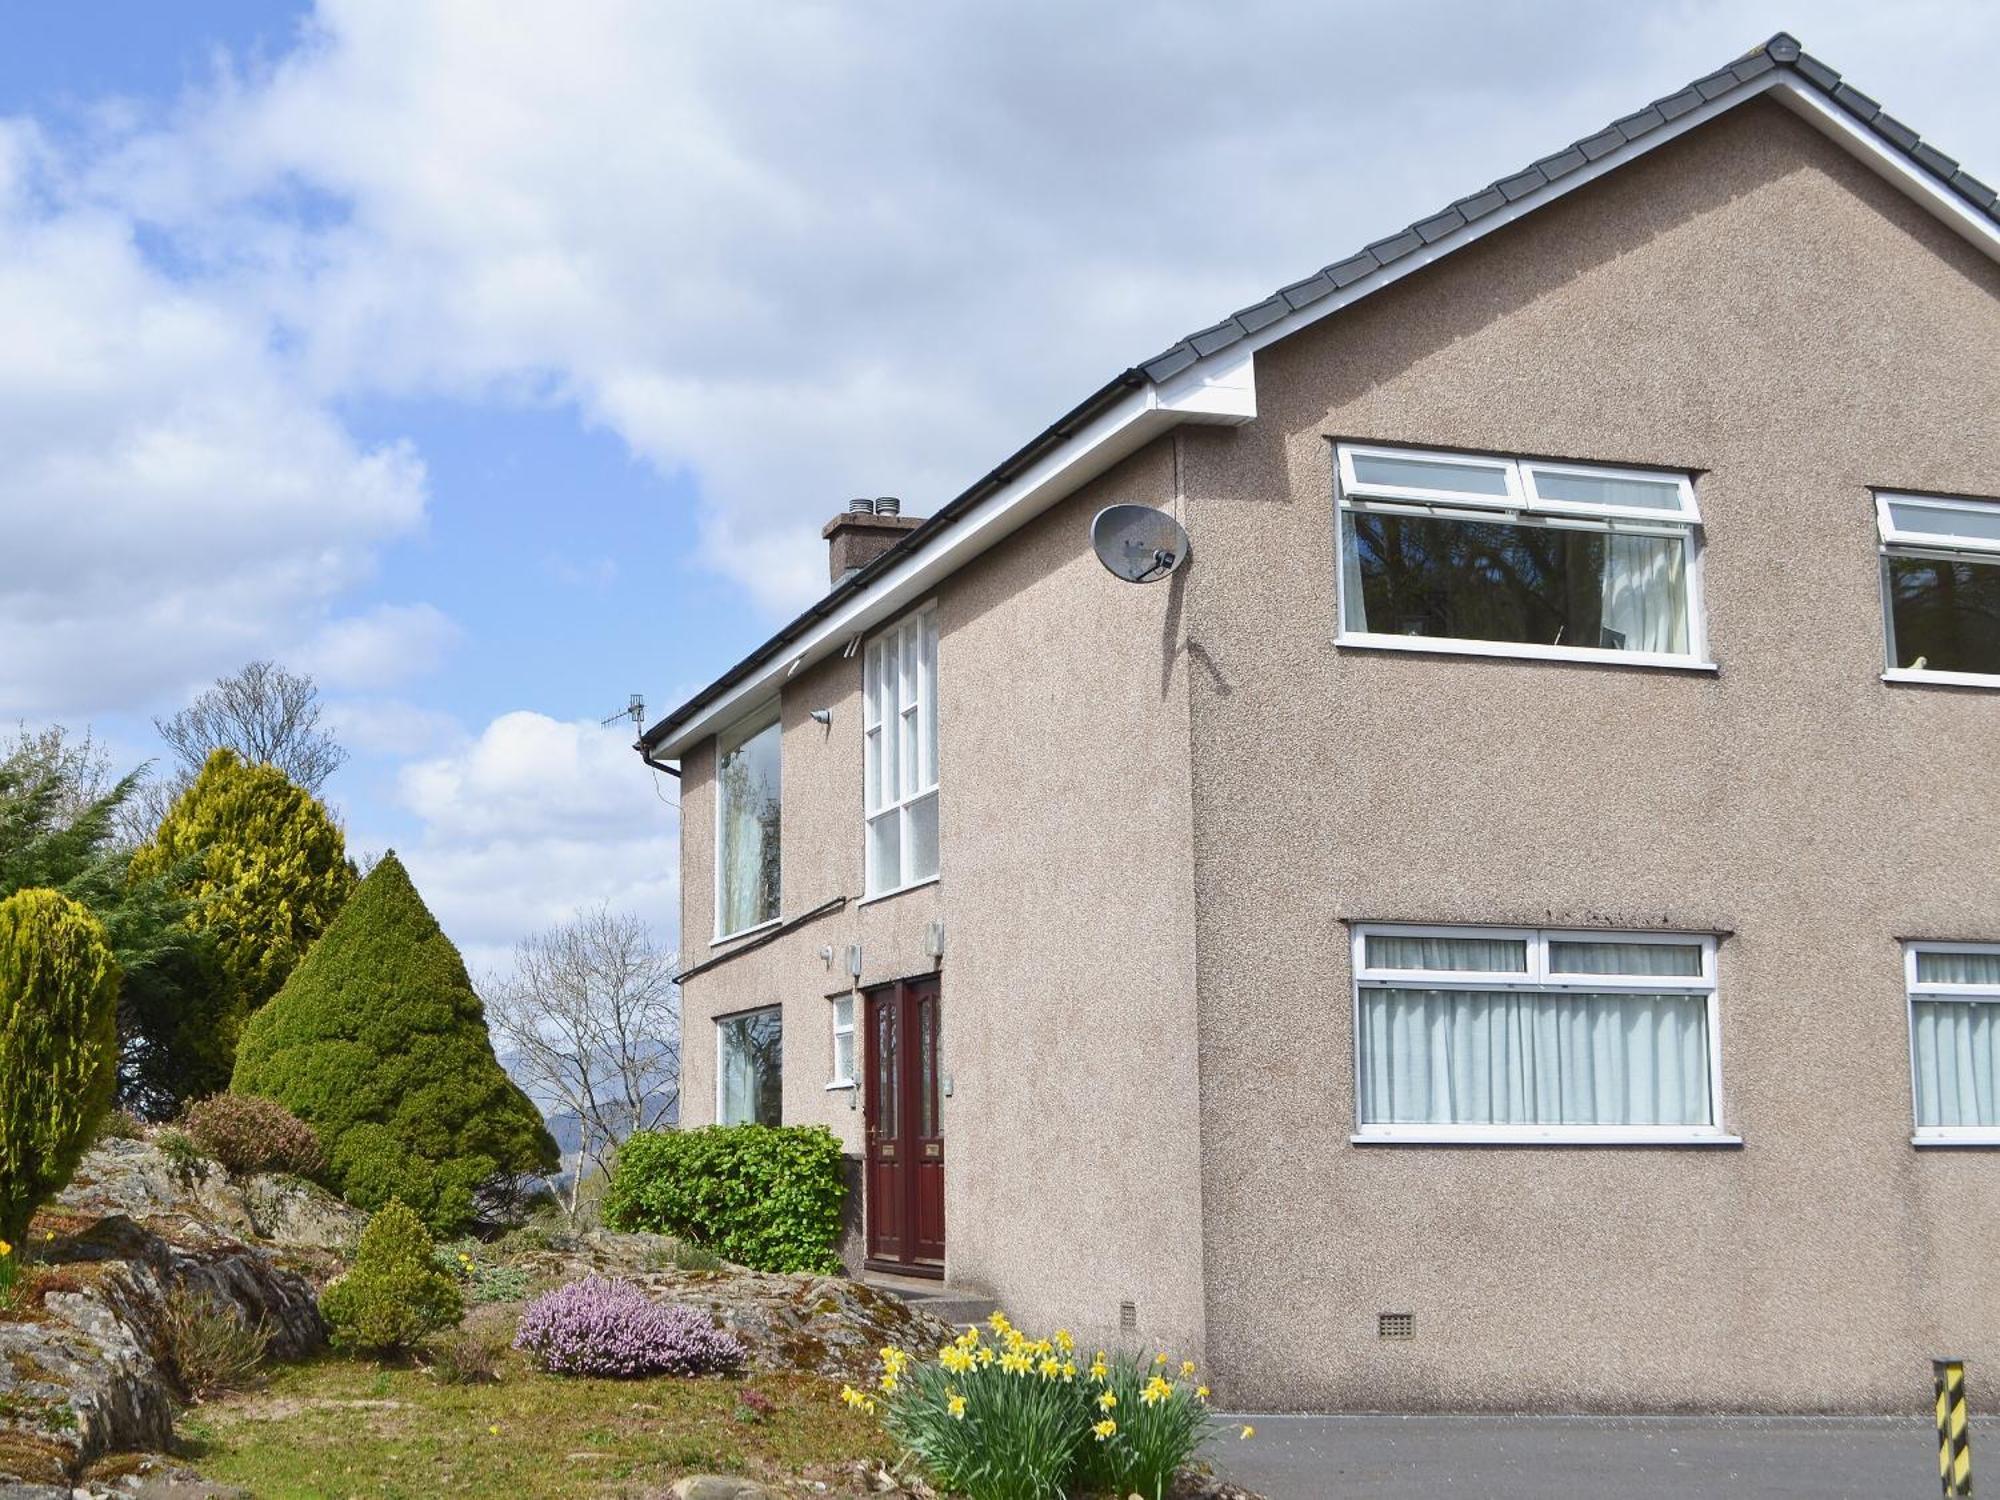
x=1457 y=1057
x=1645 y=600
x=1353 y=605
x=1957 y=1046
x=1398 y=951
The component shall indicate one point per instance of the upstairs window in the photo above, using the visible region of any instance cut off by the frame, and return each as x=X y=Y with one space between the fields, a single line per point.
x=1481 y=1034
x=1954 y=993
x=1941 y=587
x=1517 y=557
x=900 y=770
x=747 y=816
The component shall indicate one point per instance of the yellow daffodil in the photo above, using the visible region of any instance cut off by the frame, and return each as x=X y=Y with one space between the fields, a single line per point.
x=1098 y=1368
x=1201 y=1393
x=955 y=1404
x=1156 y=1391
x=888 y=1383
x=956 y=1360
x=967 y=1339
x=1015 y=1364
x=494 y=1429
x=1106 y=1401
x=1104 y=1429
x=894 y=1360
x=998 y=1322
x=5 y=1248
x=1068 y=1371
x=851 y=1396
x=1187 y=1367
x=1159 y=1359
x=1247 y=1432
x=1064 y=1342
x=985 y=1355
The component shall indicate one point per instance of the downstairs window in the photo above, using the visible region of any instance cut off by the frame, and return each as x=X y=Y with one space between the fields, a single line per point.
x=749 y=1068
x=1481 y=1034
x=1954 y=991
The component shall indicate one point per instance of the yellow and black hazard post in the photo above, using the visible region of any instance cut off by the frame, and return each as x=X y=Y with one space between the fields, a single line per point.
x=1954 y=1427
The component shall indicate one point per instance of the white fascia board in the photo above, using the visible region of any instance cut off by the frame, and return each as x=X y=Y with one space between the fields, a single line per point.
x=1810 y=105
x=1222 y=391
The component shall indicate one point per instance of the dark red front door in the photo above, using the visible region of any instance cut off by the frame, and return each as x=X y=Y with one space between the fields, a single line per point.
x=905 y=1188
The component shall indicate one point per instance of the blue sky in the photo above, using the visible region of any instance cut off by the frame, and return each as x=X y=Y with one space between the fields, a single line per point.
x=496 y=364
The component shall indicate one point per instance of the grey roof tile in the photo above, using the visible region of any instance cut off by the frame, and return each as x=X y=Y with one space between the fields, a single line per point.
x=1602 y=144
x=1396 y=246
x=1816 y=72
x=1305 y=293
x=1676 y=105
x=1479 y=205
x=1899 y=134
x=1635 y=125
x=1934 y=160
x=1851 y=99
x=1974 y=189
x=1264 y=314
x=1781 y=51
x=1439 y=225
x=1217 y=336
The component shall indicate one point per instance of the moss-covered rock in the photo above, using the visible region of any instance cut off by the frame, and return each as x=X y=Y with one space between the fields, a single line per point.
x=379 y=1042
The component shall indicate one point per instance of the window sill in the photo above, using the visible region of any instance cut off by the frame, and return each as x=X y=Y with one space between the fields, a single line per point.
x=840 y=1083
x=1959 y=1135
x=915 y=885
x=1586 y=655
x=1942 y=679
x=1542 y=1135
x=722 y=938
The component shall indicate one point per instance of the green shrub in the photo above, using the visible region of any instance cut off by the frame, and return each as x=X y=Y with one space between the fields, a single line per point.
x=248 y=1134
x=187 y=1159
x=210 y=1348
x=764 y=1196
x=395 y=1294
x=483 y=1279
x=119 y=1125
x=58 y=1046
x=378 y=1042
x=263 y=869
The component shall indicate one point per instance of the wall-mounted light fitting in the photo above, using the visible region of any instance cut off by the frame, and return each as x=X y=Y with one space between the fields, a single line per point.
x=822 y=716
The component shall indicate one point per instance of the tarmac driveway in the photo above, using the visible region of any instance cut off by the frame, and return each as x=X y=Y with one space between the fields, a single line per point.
x=1588 y=1458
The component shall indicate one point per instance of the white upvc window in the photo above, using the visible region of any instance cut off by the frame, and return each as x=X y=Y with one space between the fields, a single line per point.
x=843 y=1042
x=748 y=822
x=1954 y=991
x=1518 y=1035
x=1495 y=556
x=750 y=1067
x=1940 y=588
x=900 y=767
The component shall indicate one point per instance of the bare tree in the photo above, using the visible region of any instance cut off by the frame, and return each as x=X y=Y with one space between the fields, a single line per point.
x=79 y=766
x=590 y=1025
x=265 y=714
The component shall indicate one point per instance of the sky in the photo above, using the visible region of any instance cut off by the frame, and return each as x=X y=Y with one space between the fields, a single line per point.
x=494 y=364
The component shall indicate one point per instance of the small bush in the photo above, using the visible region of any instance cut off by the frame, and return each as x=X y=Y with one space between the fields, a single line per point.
x=599 y=1327
x=209 y=1348
x=686 y=1257
x=465 y=1358
x=1027 y=1419
x=535 y=1236
x=120 y=1125
x=187 y=1159
x=483 y=1280
x=764 y=1196
x=395 y=1294
x=248 y=1134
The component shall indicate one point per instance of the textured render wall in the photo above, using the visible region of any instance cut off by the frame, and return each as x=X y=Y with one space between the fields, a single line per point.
x=1072 y=1167
x=1751 y=303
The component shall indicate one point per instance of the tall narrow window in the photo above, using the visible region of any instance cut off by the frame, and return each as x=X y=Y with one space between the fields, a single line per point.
x=1470 y=1034
x=1516 y=557
x=750 y=1072
x=1955 y=1040
x=899 y=691
x=747 y=817
x=1941 y=587
x=843 y=1043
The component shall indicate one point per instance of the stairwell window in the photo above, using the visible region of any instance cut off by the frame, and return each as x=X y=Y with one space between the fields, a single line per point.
x=1954 y=993
x=900 y=769
x=1467 y=1034
x=1940 y=588
x=1518 y=557
x=748 y=811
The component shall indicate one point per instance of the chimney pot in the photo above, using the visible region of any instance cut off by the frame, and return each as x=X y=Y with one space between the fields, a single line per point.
x=888 y=505
x=863 y=532
x=861 y=505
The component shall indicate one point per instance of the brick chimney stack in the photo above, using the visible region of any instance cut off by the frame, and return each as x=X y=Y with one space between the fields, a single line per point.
x=863 y=532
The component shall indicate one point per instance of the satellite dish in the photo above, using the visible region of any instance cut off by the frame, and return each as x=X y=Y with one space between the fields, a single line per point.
x=1138 y=543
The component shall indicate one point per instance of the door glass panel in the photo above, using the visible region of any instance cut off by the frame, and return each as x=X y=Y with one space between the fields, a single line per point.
x=886 y=1068
x=927 y=1077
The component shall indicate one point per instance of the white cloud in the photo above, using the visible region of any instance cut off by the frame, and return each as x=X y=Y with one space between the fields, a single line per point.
x=390 y=726
x=388 y=644
x=533 y=820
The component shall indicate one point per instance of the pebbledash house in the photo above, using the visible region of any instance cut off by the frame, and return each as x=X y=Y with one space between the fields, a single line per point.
x=1508 y=916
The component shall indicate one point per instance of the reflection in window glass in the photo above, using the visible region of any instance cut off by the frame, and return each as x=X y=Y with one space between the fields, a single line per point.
x=746 y=865
x=1944 y=615
x=1430 y=474
x=750 y=1060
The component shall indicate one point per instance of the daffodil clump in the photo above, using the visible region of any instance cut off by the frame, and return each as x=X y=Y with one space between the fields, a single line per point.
x=1014 y=1418
x=10 y=1274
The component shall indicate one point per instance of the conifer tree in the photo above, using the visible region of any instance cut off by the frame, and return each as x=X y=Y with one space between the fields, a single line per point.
x=379 y=1042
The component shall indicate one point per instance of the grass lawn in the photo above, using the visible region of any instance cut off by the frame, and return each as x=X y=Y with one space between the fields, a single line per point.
x=338 y=1427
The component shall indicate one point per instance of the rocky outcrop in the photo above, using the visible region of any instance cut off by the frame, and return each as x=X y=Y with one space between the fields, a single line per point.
x=825 y=1325
x=81 y=1359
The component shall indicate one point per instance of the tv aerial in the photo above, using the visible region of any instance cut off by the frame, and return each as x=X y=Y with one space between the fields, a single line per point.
x=634 y=710
x=1138 y=543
